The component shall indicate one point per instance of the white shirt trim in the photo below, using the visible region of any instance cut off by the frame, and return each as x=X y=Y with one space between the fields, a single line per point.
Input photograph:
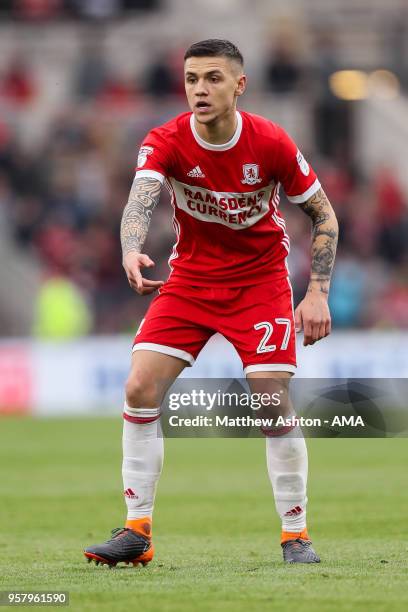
x=217 y=147
x=166 y=350
x=298 y=199
x=150 y=174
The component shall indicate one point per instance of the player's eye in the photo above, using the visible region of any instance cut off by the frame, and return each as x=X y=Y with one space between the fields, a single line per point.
x=191 y=80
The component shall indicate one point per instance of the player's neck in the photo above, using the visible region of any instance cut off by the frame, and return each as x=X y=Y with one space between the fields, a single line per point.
x=220 y=130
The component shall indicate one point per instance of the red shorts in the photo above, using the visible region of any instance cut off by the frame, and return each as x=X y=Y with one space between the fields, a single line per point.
x=257 y=320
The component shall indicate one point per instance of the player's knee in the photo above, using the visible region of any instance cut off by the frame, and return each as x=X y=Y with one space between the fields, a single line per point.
x=141 y=393
x=275 y=410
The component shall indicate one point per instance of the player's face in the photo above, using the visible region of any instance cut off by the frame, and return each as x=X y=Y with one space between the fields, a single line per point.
x=212 y=86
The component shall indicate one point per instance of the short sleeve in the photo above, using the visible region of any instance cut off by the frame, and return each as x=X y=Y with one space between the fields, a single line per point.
x=154 y=159
x=297 y=177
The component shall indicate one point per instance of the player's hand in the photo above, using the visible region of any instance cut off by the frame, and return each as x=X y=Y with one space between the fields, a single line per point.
x=133 y=262
x=313 y=316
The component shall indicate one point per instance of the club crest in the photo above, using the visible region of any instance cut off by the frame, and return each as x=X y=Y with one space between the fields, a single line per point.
x=251 y=174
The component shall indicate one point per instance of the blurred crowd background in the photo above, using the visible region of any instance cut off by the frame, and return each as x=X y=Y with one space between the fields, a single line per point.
x=82 y=81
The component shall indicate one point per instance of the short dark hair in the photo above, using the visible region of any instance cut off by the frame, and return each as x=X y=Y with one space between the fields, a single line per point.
x=215 y=47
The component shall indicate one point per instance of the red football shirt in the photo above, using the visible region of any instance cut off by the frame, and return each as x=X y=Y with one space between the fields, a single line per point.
x=226 y=197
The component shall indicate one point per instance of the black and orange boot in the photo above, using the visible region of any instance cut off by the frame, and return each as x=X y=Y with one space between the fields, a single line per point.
x=130 y=544
x=297 y=548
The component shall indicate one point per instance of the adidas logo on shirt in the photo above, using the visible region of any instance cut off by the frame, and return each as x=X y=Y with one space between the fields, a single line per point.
x=196 y=172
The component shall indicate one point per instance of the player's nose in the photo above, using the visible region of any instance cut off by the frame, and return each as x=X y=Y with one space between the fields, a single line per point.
x=201 y=89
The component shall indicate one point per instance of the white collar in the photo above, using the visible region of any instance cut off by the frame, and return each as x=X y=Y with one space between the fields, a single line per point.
x=217 y=147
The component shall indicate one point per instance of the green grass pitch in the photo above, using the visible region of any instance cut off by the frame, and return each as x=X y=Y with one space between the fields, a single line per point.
x=216 y=532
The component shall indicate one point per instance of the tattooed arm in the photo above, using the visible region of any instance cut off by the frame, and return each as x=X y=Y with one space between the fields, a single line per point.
x=143 y=198
x=313 y=312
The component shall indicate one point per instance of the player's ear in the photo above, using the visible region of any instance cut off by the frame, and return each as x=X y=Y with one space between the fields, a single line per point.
x=241 y=85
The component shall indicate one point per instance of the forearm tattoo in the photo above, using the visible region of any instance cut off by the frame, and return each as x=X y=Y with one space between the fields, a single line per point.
x=143 y=198
x=324 y=239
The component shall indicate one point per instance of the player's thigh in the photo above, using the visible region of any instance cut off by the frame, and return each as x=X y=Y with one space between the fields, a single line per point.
x=175 y=324
x=151 y=375
x=169 y=338
x=261 y=328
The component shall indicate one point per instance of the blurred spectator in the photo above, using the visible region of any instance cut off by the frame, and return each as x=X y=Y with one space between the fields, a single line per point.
x=28 y=216
x=95 y=9
x=348 y=293
x=358 y=221
x=175 y=58
x=389 y=308
x=6 y=8
x=7 y=203
x=40 y=10
x=146 y=5
x=7 y=143
x=390 y=199
x=91 y=74
x=392 y=216
x=17 y=84
x=33 y=10
x=396 y=44
x=118 y=93
x=283 y=71
x=61 y=312
x=94 y=80
x=159 y=79
x=91 y=176
x=332 y=115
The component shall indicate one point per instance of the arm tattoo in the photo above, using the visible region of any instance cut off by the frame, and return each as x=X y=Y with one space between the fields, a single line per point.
x=143 y=197
x=324 y=239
